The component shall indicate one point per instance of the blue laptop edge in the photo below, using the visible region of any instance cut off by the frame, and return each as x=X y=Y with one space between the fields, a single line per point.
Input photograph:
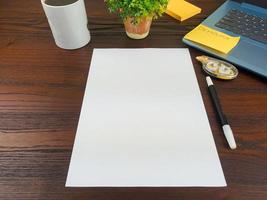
x=248 y=54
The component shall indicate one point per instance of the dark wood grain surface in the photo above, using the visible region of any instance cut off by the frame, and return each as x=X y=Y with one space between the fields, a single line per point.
x=41 y=91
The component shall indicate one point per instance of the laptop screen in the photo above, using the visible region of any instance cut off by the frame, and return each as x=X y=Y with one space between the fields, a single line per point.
x=260 y=3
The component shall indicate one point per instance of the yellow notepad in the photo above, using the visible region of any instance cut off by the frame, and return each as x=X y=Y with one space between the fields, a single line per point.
x=212 y=38
x=182 y=10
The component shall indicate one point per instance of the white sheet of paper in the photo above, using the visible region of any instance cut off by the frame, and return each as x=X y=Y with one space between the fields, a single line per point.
x=143 y=123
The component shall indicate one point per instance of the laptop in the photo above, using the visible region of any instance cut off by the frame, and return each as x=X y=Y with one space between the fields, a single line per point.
x=247 y=19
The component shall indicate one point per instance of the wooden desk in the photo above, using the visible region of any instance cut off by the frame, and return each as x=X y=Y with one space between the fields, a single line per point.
x=41 y=91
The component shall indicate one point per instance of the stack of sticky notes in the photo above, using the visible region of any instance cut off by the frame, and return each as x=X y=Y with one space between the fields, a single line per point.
x=181 y=10
x=212 y=38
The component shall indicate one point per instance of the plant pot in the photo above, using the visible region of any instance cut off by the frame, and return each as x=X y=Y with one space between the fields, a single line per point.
x=139 y=30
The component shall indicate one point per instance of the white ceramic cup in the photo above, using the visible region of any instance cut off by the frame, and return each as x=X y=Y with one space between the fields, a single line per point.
x=68 y=24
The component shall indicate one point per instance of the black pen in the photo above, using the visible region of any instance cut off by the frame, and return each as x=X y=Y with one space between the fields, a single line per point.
x=225 y=126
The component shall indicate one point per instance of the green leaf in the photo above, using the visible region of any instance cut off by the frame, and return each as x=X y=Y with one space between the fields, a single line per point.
x=137 y=9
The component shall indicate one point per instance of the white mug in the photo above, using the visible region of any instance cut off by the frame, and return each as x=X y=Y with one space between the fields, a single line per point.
x=68 y=23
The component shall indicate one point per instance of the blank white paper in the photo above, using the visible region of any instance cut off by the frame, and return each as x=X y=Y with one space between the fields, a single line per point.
x=143 y=123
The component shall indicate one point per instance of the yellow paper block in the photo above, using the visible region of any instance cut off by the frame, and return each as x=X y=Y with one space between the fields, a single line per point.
x=212 y=38
x=181 y=10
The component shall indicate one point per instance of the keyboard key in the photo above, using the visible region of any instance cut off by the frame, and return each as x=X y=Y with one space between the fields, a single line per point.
x=245 y=24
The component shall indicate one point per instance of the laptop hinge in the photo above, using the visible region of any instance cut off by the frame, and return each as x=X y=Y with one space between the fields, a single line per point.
x=254 y=8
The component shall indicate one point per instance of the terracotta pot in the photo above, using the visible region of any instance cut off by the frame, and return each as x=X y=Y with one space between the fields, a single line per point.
x=137 y=31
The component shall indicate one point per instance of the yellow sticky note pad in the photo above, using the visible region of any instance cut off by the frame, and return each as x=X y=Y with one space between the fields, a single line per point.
x=212 y=38
x=181 y=10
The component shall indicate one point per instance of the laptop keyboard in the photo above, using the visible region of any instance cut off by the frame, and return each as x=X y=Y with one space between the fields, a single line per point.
x=244 y=24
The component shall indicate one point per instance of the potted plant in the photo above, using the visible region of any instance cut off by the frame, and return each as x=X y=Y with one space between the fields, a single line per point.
x=137 y=15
